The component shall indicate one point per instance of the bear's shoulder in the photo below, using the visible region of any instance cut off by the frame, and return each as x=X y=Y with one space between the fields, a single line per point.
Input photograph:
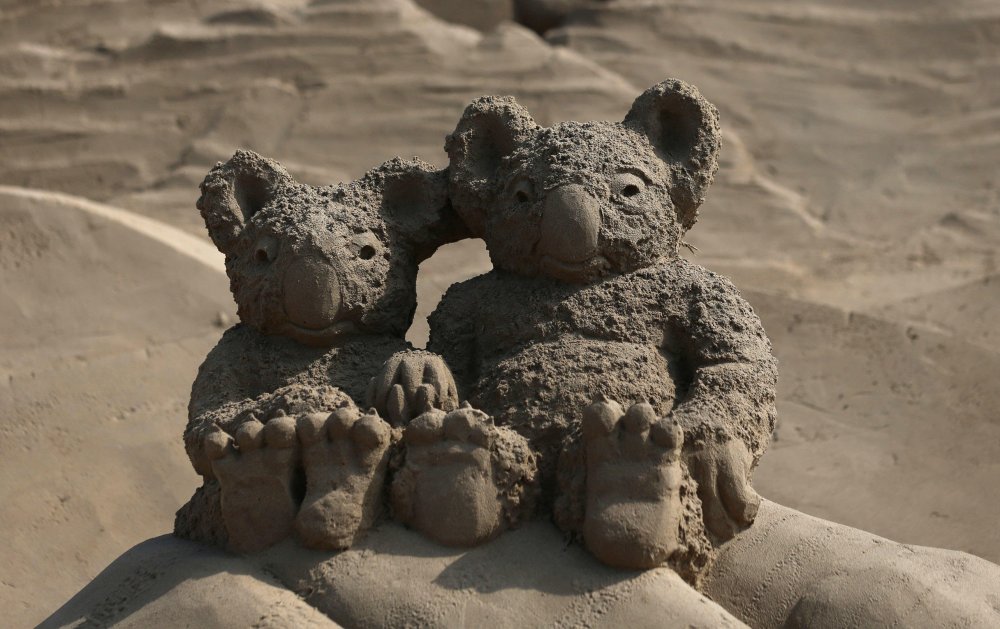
x=683 y=280
x=494 y=286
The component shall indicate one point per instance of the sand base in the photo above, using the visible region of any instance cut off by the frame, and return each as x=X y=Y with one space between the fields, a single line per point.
x=788 y=570
x=526 y=578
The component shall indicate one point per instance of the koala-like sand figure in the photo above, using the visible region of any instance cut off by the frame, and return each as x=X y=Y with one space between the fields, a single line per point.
x=324 y=281
x=589 y=297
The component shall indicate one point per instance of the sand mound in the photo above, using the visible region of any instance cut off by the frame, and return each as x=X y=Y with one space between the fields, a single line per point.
x=877 y=420
x=170 y=582
x=794 y=570
x=104 y=329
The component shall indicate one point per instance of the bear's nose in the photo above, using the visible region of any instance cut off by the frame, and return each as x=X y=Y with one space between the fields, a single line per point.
x=570 y=224
x=311 y=293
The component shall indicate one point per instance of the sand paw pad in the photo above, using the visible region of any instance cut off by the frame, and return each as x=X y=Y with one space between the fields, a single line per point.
x=256 y=473
x=450 y=487
x=633 y=470
x=345 y=455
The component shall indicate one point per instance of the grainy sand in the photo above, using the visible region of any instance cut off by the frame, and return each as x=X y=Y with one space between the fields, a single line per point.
x=857 y=207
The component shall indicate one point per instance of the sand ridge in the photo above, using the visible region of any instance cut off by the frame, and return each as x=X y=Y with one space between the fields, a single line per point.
x=163 y=233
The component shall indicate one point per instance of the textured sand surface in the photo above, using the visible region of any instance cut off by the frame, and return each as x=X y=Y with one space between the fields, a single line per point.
x=856 y=207
x=90 y=457
x=794 y=570
x=167 y=581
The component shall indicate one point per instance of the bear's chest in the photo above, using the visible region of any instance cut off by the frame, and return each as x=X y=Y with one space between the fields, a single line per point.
x=546 y=350
x=518 y=312
x=256 y=364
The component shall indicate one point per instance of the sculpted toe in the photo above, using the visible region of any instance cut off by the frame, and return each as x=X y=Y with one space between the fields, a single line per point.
x=280 y=432
x=250 y=435
x=601 y=417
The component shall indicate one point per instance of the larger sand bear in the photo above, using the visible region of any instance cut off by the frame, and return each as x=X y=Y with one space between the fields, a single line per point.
x=588 y=296
x=324 y=281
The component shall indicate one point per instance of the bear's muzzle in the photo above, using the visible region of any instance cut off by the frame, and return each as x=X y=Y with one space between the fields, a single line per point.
x=311 y=294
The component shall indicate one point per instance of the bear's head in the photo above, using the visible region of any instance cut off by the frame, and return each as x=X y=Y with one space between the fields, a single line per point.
x=579 y=201
x=316 y=264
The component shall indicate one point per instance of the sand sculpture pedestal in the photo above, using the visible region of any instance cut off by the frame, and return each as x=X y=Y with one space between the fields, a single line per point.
x=529 y=577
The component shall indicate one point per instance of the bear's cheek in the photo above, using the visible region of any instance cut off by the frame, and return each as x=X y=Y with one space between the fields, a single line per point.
x=512 y=237
x=390 y=298
x=363 y=283
x=258 y=298
x=634 y=241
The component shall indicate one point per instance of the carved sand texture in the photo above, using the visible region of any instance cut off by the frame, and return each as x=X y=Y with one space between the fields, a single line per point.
x=249 y=373
x=411 y=382
x=251 y=483
x=200 y=518
x=588 y=295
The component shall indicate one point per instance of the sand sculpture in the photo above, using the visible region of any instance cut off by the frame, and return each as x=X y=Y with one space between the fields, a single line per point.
x=607 y=383
x=562 y=210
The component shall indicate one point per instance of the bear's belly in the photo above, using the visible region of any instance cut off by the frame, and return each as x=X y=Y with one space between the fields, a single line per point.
x=541 y=391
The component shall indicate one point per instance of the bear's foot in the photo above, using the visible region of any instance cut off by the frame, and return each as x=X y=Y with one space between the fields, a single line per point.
x=345 y=456
x=464 y=480
x=257 y=481
x=633 y=508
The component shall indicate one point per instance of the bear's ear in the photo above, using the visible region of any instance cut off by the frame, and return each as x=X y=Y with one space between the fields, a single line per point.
x=684 y=129
x=236 y=190
x=491 y=128
x=415 y=200
x=411 y=188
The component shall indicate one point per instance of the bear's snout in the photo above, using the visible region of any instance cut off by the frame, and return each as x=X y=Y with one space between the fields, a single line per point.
x=311 y=294
x=571 y=221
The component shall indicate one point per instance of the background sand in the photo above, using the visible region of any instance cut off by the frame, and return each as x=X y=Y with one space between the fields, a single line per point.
x=857 y=207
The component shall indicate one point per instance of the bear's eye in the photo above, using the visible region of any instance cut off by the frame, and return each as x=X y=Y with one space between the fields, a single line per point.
x=365 y=245
x=266 y=251
x=628 y=185
x=524 y=192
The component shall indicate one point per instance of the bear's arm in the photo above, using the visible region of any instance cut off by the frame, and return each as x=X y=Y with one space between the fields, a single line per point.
x=223 y=388
x=726 y=362
x=453 y=334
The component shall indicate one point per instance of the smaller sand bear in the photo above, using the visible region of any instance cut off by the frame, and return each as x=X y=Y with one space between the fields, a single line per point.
x=324 y=281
